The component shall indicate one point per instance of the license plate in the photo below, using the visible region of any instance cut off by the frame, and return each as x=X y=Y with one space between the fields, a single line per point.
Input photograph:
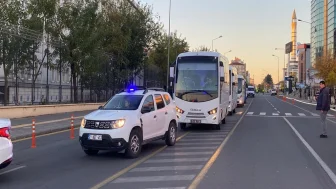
x=95 y=137
x=195 y=121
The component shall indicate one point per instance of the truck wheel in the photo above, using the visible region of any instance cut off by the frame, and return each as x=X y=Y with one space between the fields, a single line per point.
x=134 y=144
x=171 y=134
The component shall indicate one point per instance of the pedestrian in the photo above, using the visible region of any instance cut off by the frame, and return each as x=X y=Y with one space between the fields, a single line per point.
x=323 y=104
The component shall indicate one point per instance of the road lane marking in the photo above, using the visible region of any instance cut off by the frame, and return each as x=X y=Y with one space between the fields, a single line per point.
x=154 y=178
x=305 y=110
x=288 y=114
x=185 y=153
x=43 y=135
x=250 y=113
x=169 y=188
x=135 y=164
x=312 y=151
x=168 y=168
x=275 y=114
x=262 y=113
x=11 y=170
x=45 y=122
x=302 y=114
x=213 y=158
x=176 y=160
x=197 y=144
x=315 y=114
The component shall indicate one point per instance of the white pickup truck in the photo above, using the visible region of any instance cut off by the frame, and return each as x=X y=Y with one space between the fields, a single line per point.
x=250 y=91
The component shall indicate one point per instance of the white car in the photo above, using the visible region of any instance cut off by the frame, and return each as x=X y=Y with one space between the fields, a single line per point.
x=129 y=120
x=6 y=146
x=273 y=92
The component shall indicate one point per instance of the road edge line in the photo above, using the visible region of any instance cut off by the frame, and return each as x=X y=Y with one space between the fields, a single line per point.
x=312 y=151
x=214 y=157
x=133 y=165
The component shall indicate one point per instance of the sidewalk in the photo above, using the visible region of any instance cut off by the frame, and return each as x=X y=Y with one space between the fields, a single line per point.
x=305 y=101
x=22 y=127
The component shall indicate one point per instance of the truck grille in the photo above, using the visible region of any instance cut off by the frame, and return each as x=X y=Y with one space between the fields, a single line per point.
x=94 y=124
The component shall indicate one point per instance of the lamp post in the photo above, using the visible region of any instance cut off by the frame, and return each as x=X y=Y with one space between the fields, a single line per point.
x=278 y=66
x=228 y=52
x=168 y=53
x=214 y=40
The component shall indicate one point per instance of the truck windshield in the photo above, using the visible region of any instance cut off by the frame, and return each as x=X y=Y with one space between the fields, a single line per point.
x=123 y=102
x=240 y=85
x=197 y=78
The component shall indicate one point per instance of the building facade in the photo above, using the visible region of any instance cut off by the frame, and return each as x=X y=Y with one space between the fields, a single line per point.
x=240 y=65
x=303 y=62
x=323 y=23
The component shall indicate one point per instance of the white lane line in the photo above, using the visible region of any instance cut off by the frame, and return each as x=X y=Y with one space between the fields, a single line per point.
x=249 y=113
x=288 y=114
x=176 y=160
x=206 y=139
x=185 y=148
x=330 y=115
x=262 y=113
x=279 y=112
x=302 y=114
x=154 y=178
x=315 y=114
x=168 y=168
x=11 y=170
x=169 y=188
x=275 y=114
x=184 y=153
x=196 y=144
x=312 y=151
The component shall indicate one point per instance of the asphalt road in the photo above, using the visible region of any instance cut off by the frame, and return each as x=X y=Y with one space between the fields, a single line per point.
x=59 y=162
x=265 y=152
x=274 y=144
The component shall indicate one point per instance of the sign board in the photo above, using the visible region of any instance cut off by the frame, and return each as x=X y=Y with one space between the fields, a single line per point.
x=290 y=78
x=289 y=47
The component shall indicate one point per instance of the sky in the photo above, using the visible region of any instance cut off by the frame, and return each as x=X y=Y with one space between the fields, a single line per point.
x=252 y=29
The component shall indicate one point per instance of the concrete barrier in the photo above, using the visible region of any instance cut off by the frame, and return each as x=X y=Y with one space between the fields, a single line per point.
x=29 y=111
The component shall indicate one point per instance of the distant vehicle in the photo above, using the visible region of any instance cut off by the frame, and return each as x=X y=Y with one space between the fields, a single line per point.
x=6 y=146
x=201 y=88
x=250 y=91
x=273 y=92
x=233 y=90
x=129 y=120
x=241 y=94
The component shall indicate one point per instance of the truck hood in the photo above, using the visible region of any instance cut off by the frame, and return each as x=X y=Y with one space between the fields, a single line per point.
x=107 y=115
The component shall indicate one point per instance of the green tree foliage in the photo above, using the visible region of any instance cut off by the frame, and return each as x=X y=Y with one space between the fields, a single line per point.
x=101 y=42
x=202 y=48
x=268 y=80
x=158 y=56
x=326 y=68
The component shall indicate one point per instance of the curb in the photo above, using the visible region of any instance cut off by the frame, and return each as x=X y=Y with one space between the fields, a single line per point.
x=332 y=109
x=43 y=132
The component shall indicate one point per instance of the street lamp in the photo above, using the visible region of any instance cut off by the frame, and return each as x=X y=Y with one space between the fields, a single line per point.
x=168 y=47
x=214 y=40
x=278 y=66
x=304 y=21
x=228 y=52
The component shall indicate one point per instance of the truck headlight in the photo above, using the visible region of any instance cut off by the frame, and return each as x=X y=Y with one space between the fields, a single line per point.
x=179 y=110
x=83 y=123
x=213 y=111
x=116 y=124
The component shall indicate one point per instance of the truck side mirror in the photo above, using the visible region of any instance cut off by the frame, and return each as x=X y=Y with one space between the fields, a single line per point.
x=171 y=72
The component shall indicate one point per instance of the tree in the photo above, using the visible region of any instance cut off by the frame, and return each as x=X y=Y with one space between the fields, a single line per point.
x=202 y=48
x=326 y=68
x=158 y=56
x=268 y=80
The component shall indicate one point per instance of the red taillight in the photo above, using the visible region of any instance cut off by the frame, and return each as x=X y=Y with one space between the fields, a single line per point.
x=4 y=132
